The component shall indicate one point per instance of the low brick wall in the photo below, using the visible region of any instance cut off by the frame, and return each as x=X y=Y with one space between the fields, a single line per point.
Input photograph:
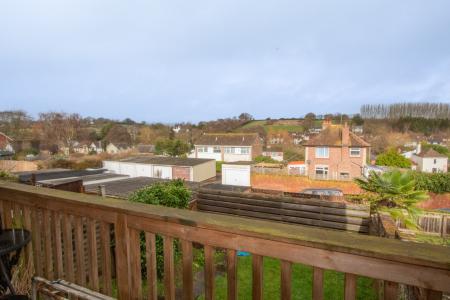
x=294 y=184
x=17 y=166
x=436 y=201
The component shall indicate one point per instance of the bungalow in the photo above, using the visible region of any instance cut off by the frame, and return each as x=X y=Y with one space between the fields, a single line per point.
x=117 y=148
x=228 y=147
x=275 y=153
x=96 y=147
x=297 y=167
x=336 y=153
x=81 y=148
x=430 y=161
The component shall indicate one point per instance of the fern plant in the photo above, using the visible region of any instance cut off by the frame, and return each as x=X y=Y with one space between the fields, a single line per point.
x=394 y=192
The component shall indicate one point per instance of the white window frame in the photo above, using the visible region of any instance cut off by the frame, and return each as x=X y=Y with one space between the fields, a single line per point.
x=355 y=149
x=245 y=150
x=202 y=149
x=216 y=149
x=324 y=168
x=326 y=151
x=229 y=150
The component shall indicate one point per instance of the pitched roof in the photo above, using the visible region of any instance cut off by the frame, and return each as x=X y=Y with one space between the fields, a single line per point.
x=431 y=153
x=332 y=136
x=228 y=139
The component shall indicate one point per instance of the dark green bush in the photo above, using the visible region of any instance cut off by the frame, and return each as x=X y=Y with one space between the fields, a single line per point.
x=438 y=183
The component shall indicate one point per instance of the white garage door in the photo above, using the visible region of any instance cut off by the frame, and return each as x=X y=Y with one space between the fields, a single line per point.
x=236 y=175
x=162 y=172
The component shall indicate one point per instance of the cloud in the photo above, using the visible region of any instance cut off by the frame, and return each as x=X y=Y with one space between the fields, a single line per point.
x=195 y=60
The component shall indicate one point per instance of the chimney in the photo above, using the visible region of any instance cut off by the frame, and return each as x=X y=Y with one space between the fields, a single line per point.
x=345 y=134
x=326 y=123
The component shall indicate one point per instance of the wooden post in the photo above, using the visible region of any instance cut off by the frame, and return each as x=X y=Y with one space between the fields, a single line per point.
x=121 y=237
x=257 y=270
x=232 y=274
x=286 y=279
x=209 y=272
x=188 y=280
x=317 y=292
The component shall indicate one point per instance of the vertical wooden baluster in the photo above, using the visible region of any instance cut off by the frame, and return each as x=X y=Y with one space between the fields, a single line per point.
x=18 y=220
x=286 y=279
x=150 y=255
x=7 y=214
x=105 y=231
x=57 y=249
x=350 y=287
x=135 y=264
x=47 y=230
x=68 y=248
x=79 y=252
x=36 y=238
x=27 y=226
x=2 y=214
x=169 y=276
x=93 y=257
x=122 y=242
x=317 y=292
x=232 y=274
x=432 y=295
x=257 y=271
x=209 y=272
x=390 y=290
x=188 y=281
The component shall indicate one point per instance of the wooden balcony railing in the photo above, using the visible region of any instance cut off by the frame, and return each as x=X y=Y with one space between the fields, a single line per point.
x=71 y=240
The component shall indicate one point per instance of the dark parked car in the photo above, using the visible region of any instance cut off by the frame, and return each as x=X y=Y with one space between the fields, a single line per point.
x=323 y=192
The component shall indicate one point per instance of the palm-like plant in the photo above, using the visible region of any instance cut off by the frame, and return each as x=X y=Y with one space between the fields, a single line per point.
x=394 y=192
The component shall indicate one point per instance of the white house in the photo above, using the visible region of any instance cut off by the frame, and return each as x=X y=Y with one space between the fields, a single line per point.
x=96 y=147
x=430 y=161
x=274 y=153
x=296 y=168
x=190 y=169
x=117 y=148
x=228 y=147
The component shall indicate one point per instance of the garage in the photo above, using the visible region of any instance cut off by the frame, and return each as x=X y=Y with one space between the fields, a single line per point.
x=181 y=173
x=237 y=173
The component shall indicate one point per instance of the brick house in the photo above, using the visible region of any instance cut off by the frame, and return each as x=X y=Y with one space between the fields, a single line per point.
x=228 y=147
x=6 y=143
x=336 y=153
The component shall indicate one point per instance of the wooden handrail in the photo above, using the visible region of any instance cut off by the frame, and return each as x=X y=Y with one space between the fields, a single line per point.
x=422 y=265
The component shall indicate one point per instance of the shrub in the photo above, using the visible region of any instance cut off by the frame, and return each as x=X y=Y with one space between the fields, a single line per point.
x=433 y=182
x=265 y=159
x=170 y=194
x=392 y=158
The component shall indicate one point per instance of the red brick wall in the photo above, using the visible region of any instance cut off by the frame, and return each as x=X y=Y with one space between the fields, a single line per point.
x=436 y=201
x=181 y=172
x=295 y=184
x=339 y=160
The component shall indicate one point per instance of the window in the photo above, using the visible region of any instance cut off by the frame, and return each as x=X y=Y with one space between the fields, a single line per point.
x=229 y=150
x=322 y=152
x=202 y=149
x=344 y=175
x=321 y=171
x=355 y=152
x=245 y=150
x=216 y=150
x=435 y=161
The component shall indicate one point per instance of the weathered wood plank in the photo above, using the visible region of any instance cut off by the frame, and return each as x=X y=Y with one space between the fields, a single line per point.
x=57 y=245
x=135 y=265
x=27 y=226
x=188 y=280
x=79 y=251
x=350 y=287
x=432 y=295
x=68 y=248
x=37 y=246
x=122 y=260
x=169 y=269
x=150 y=255
x=7 y=214
x=46 y=229
x=257 y=277
x=317 y=292
x=93 y=255
x=232 y=274
x=286 y=279
x=2 y=214
x=105 y=239
x=209 y=272
x=390 y=290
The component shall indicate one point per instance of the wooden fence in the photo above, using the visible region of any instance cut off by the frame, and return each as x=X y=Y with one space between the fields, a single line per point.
x=433 y=223
x=51 y=215
x=314 y=212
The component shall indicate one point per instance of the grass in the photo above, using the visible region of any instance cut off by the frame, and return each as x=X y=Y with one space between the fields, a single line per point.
x=432 y=239
x=278 y=125
x=301 y=282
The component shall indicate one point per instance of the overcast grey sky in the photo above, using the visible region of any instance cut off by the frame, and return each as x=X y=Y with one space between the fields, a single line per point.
x=198 y=60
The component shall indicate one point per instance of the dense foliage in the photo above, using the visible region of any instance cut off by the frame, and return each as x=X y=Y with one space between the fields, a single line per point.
x=5 y=175
x=406 y=110
x=438 y=148
x=392 y=158
x=420 y=125
x=265 y=159
x=433 y=182
x=394 y=192
x=172 y=147
x=170 y=194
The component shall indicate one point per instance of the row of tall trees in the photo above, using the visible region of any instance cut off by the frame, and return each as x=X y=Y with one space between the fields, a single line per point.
x=406 y=110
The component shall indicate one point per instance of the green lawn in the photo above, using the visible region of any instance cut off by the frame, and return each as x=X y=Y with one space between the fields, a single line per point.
x=301 y=282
